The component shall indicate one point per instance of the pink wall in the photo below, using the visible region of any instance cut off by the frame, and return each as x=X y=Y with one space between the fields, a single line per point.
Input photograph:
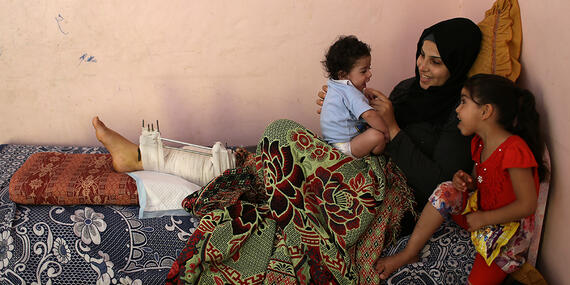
x=545 y=72
x=207 y=70
x=222 y=70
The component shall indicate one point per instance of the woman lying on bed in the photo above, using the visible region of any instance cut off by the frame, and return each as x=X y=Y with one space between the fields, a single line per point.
x=327 y=216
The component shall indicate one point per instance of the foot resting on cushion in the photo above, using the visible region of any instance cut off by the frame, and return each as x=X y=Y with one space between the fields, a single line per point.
x=124 y=153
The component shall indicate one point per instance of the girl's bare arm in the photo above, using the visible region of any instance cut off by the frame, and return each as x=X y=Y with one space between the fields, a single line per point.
x=523 y=206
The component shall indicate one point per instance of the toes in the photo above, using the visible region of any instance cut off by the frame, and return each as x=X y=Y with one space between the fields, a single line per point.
x=380 y=267
x=96 y=122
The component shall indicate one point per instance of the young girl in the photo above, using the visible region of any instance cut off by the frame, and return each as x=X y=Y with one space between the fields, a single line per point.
x=346 y=109
x=507 y=150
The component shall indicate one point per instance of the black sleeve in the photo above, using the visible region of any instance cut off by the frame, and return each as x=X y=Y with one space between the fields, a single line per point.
x=451 y=152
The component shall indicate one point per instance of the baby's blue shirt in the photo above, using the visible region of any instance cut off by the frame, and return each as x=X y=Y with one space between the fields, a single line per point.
x=341 y=111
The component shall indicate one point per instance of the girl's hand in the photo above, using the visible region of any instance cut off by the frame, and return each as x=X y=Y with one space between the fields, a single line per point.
x=463 y=181
x=321 y=94
x=476 y=220
x=383 y=107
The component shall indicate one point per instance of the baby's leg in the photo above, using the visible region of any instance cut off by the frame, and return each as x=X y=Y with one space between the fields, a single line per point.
x=429 y=222
x=370 y=141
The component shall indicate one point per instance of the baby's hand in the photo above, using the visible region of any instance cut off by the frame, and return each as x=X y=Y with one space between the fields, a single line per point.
x=463 y=181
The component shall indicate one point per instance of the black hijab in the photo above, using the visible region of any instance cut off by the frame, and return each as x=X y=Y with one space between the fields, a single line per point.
x=458 y=41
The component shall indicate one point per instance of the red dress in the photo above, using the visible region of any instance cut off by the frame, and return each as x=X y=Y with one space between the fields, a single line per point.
x=493 y=180
x=495 y=190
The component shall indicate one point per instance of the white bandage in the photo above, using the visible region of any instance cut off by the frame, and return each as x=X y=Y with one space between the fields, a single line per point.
x=152 y=151
x=194 y=167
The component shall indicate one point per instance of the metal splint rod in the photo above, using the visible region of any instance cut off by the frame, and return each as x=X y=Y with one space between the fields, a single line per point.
x=149 y=127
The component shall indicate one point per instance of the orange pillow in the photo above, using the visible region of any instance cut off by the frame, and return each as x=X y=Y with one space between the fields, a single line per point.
x=501 y=42
x=52 y=178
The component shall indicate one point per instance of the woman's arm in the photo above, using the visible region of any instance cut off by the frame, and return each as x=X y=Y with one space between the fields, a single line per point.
x=427 y=154
x=384 y=109
x=523 y=206
x=321 y=94
x=450 y=151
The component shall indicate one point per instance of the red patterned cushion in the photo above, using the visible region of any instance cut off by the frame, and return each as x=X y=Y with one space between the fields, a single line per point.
x=69 y=179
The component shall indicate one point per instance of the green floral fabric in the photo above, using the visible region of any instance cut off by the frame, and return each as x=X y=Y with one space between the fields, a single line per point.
x=308 y=215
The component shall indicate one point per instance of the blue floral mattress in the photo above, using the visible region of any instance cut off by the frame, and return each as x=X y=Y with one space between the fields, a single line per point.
x=446 y=259
x=46 y=244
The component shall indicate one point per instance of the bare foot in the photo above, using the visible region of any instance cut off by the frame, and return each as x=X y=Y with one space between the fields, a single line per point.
x=386 y=265
x=124 y=152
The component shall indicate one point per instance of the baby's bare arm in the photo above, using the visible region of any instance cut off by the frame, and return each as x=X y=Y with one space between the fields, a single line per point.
x=375 y=121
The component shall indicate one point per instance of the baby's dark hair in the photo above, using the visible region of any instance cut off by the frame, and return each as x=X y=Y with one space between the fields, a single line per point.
x=516 y=109
x=343 y=54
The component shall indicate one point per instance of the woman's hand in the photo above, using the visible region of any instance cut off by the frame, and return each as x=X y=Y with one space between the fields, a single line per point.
x=322 y=93
x=383 y=107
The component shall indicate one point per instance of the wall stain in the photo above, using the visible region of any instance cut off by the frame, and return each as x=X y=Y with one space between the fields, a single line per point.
x=60 y=19
x=87 y=58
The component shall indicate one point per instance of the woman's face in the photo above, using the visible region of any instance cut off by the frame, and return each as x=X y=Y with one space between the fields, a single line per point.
x=430 y=66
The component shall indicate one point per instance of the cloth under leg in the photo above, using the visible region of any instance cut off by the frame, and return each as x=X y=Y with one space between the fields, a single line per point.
x=194 y=167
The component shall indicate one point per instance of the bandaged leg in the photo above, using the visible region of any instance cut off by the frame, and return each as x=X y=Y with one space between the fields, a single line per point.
x=152 y=150
x=197 y=165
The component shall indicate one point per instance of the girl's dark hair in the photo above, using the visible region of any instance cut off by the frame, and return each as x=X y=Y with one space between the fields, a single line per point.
x=343 y=54
x=516 y=108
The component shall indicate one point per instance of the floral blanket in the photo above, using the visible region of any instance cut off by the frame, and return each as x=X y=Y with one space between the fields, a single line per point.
x=307 y=215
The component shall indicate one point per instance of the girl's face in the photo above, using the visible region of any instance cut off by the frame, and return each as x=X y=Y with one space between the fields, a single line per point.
x=360 y=73
x=430 y=66
x=468 y=113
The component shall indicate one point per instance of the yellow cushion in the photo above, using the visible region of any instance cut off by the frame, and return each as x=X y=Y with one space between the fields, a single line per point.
x=527 y=275
x=501 y=41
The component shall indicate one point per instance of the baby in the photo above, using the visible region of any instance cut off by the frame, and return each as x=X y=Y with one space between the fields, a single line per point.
x=346 y=110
